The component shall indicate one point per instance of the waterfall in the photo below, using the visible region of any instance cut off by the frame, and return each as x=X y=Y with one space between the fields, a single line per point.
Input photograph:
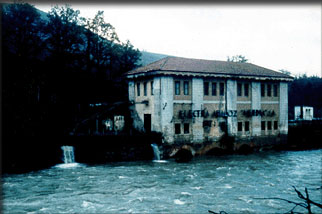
x=68 y=154
x=156 y=152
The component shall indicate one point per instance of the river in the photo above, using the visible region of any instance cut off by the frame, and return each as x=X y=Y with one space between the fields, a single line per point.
x=229 y=183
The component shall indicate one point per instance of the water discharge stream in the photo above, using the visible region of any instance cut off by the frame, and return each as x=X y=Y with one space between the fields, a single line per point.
x=227 y=183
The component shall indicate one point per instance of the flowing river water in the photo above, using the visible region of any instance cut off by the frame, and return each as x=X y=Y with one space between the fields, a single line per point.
x=229 y=183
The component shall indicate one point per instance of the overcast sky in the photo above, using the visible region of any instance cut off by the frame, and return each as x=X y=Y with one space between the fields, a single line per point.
x=273 y=36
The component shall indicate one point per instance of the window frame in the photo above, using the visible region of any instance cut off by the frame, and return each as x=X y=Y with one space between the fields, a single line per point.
x=275 y=90
x=138 y=90
x=177 y=86
x=222 y=89
x=177 y=128
x=214 y=89
x=186 y=130
x=263 y=125
x=239 y=89
x=247 y=128
x=269 y=125
x=206 y=88
x=240 y=126
x=246 y=89
x=186 y=87
x=145 y=89
x=269 y=90
x=275 y=125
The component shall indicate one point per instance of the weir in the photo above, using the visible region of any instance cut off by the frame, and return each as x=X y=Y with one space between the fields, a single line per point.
x=156 y=151
x=68 y=154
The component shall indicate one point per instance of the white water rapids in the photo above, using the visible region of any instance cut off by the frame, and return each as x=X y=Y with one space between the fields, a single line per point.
x=229 y=183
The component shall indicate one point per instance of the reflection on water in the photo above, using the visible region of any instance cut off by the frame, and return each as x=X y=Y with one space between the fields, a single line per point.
x=214 y=183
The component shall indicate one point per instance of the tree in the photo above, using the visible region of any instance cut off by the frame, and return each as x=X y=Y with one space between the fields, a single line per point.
x=23 y=76
x=284 y=71
x=237 y=58
x=100 y=39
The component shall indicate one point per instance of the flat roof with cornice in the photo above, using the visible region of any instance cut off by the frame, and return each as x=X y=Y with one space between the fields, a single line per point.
x=179 y=66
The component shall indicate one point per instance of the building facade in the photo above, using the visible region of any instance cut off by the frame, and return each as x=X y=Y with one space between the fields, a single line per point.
x=196 y=101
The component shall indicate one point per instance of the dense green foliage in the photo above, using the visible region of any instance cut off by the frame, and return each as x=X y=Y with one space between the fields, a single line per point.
x=54 y=68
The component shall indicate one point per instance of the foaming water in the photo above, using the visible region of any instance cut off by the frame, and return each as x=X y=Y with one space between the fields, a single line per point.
x=229 y=183
x=68 y=165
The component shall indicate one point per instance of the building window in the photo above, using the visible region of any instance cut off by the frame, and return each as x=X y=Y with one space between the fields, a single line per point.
x=239 y=89
x=177 y=87
x=240 y=126
x=206 y=88
x=269 y=125
x=151 y=87
x=138 y=88
x=145 y=89
x=246 y=91
x=214 y=89
x=186 y=129
x=263 y=90
x=177 y=128
x=275 y=90
x=263 y=126
x=222 y=89
x=275 y=125
x=186 y=88
x=269 y=90
x=247 y=126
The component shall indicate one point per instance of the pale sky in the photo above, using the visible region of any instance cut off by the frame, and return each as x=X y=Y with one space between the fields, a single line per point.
x=273 y=36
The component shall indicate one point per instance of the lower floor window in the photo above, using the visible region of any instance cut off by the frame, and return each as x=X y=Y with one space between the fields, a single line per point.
x=240 y=126
x=247 y=126
x=263 y=126
x=177 y=128
x=186 y=129
x=275 y=125
x=269 y=125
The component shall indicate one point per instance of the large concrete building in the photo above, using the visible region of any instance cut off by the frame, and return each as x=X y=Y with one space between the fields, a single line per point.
x=195 y=101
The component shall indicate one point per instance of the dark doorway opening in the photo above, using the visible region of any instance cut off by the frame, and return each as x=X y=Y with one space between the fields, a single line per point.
x=147 y=123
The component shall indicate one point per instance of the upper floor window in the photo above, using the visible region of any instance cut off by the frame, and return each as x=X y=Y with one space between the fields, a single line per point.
x=239 y=89
x=145 y=89
x=263 y=90
x=214 y=89
x=269 y=90
x=151 y=87
x=138 y=88
x=246 y=89
x=275 y=90
x=206 y=88
x=222 y=89
x=177 y=87
x=186 y=88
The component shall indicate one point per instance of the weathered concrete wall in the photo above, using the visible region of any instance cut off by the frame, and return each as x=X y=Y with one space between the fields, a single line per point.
x=232 y=106
x=166 y=101
x=197 y=104
x=256 y=105
x=283 y=108
x=156 y=115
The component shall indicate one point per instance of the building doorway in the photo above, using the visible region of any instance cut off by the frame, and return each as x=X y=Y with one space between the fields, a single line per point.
x=147 y=123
